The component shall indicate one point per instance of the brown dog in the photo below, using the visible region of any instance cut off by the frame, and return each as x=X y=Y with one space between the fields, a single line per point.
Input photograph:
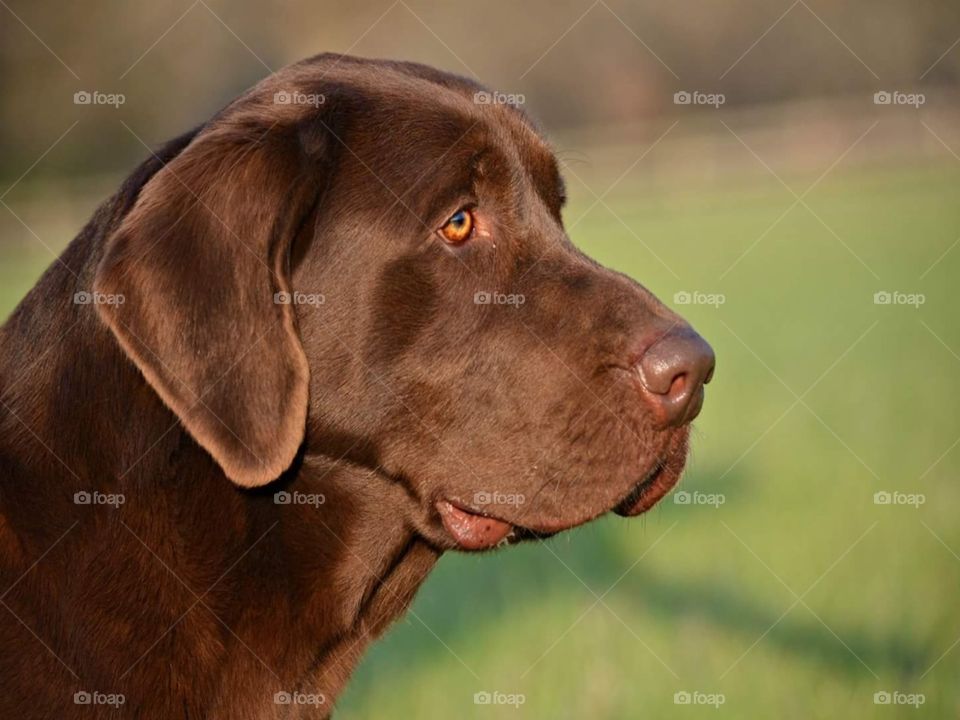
x=305 y=349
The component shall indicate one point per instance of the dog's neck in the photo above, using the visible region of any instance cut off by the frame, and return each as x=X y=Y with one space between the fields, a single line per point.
x=382 y=562
x=247 y=593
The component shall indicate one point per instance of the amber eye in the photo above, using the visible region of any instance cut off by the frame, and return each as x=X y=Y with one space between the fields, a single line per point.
x=459 y=227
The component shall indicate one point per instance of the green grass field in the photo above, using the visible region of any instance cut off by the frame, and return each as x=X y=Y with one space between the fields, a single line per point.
x=798 y=597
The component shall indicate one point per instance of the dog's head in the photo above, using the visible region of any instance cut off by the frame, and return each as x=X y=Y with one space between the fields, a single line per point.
x=367 y=260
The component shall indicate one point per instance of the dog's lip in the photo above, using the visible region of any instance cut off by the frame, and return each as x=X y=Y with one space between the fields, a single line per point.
x=658 y=482
x=477 y=530
x=472 y=530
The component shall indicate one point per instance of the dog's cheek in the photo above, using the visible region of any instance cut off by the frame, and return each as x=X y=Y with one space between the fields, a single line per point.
x=406 y=303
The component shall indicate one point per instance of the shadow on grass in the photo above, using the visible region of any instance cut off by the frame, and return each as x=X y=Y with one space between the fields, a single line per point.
x=853 y=652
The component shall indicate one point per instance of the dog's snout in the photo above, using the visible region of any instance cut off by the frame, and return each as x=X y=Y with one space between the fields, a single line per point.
x=673 y=372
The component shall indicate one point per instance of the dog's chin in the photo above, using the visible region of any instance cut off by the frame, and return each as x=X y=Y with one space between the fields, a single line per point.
x=470 y=529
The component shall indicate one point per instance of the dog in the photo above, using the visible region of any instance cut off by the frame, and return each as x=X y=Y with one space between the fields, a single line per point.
x=306 y=349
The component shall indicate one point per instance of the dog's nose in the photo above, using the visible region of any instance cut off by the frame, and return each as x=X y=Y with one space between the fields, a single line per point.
x=673 y=371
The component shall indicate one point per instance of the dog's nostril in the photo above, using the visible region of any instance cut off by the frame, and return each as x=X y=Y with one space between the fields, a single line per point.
x=676 y=387
x=673 y=372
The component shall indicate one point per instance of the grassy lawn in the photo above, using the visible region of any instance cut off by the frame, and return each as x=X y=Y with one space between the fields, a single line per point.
x=798 y=597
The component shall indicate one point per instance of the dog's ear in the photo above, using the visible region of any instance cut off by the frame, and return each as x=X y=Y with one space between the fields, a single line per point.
x=199 y=268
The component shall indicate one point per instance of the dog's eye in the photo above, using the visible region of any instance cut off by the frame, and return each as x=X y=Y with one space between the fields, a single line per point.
x=459 y=227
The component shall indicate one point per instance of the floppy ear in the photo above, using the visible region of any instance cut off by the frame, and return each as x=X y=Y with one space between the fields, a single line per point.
x=200 y=264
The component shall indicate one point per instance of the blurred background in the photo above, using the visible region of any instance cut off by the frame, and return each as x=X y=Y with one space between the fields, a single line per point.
x=787 y=176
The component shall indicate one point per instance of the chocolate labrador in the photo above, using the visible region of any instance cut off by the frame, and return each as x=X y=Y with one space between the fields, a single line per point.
x=308 y=347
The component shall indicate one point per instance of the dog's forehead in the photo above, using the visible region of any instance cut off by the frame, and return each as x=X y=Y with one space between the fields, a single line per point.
x=448 y=108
